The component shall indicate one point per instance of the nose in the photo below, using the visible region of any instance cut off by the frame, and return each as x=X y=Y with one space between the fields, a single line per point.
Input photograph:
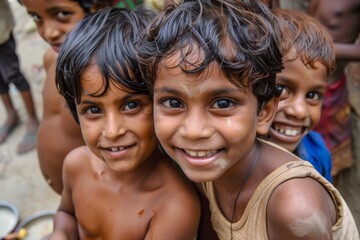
x=195 y=126
x=297 y=108
x=113 y=127
x=51 y=32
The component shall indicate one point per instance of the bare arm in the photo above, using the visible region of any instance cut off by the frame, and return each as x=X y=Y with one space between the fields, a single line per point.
x=347 y=52
x=300 y=209
x=65 y=223
x=49 y=58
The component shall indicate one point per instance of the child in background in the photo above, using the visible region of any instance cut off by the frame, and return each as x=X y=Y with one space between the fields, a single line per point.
x=308 y=58
x=340 y=119
x=341 y=18
x=213 y=80
x=58 y=132
x=10 y=74
x=118 y=186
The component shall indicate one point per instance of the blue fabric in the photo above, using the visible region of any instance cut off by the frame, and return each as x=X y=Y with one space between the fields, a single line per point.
x=312 y=148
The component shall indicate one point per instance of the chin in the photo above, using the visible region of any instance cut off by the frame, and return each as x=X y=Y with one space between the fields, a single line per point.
x=201 y=176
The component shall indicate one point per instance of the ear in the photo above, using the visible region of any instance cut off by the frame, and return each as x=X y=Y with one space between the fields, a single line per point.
x=266 y=116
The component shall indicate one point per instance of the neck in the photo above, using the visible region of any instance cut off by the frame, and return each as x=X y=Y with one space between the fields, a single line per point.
x=226 y=183
x=237 y=191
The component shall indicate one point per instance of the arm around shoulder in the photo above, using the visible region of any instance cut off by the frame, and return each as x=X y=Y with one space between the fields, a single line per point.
x=347 y=52
x=300 y=208
x=49 y=58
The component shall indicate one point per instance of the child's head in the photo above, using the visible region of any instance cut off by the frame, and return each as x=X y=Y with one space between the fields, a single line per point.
x=54 y=19
x=105 y=39
x=98 y=75
x=211 y=66
x=308 y=58
x=236 y=34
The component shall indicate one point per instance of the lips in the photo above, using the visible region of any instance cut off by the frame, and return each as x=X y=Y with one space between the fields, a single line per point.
x=116 y=149
x=288 y=131
x=285 y=134
x=200 y=154
x=199 y=158
x=116 y=152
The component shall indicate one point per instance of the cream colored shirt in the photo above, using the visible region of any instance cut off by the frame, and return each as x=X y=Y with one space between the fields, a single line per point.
x=252 y=224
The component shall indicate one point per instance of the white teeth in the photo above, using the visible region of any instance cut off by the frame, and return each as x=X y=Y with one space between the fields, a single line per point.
x=200 y=153
x=288 y=132
x=116 y=149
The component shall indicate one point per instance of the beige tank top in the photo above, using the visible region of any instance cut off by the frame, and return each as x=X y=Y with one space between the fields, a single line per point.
x=252 y=224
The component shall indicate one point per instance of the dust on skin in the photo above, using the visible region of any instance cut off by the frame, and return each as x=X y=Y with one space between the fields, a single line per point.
x=313 y=223
x=222 y=164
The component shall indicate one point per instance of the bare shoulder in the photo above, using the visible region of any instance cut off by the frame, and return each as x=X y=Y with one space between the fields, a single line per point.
x=177 y=207
x=300 y=208
x=49 y=58
x=76 y=160
x=273 y=156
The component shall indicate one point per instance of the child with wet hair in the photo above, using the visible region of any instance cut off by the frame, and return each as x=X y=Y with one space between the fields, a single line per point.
x=211 y=66
x=309 y=59
x=118 y=186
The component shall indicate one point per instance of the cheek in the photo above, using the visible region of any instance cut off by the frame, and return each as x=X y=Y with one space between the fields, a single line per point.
x=147 y=131
x=162 y=129
x=163 y=125
x=88 y=131
x=315 y=114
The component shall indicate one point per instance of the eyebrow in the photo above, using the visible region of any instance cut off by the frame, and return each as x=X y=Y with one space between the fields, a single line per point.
x=283 y=80
x=216 y=92
x=127 y=97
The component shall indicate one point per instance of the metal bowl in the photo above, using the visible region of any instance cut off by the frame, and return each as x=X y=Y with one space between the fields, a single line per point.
x=37 y=225
x=9 y=218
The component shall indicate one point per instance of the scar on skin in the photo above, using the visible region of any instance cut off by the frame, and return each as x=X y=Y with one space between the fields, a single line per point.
x=312 y=224
x=141 y=212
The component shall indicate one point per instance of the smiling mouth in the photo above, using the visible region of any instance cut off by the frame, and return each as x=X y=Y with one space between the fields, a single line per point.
x=288 y=131
x=200 y=154
x=118 y=149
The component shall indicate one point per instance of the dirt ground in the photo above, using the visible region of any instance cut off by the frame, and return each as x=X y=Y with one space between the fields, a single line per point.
x=21 y=182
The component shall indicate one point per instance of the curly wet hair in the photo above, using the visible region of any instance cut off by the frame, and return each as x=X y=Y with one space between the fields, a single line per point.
x=238 y=35
x=105 y=38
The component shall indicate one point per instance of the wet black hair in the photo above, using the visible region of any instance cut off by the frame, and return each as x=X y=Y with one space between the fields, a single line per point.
x=238 y=35
x=105 y=38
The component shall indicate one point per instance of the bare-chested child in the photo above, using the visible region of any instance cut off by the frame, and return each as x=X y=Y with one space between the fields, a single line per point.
x=120 y=185
x=213 y=81
x=309 y=59
x=58 y=132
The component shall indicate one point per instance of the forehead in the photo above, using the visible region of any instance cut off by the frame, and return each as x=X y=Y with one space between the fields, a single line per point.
x=91 y=79
x=304 y=76
x=172 y=78
x=48 y=5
